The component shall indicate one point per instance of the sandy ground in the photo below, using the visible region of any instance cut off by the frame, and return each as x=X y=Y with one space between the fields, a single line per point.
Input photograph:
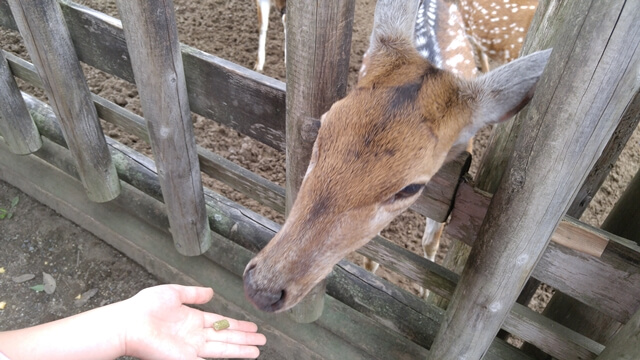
x=37 y=240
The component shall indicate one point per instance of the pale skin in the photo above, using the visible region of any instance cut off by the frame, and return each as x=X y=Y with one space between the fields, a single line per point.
x=154 y=324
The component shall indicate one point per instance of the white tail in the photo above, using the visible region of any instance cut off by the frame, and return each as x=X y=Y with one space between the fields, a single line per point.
x=375 y=151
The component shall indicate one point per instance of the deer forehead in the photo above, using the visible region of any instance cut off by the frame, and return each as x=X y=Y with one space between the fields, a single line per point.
x=380 y=138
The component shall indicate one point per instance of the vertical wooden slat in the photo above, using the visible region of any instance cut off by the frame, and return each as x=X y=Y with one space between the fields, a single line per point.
x=625 y=345
x=318 y=48
x=16 y=126
x=47 y=39
x=579 y=100
x=152 y=39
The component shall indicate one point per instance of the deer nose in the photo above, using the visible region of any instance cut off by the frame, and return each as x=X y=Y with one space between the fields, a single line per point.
x=264 y=298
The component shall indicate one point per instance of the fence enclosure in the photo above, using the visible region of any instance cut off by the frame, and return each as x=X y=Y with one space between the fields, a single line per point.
x=585 y=108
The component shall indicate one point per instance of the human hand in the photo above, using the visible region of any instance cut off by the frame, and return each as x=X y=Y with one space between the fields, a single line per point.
x=160 y=326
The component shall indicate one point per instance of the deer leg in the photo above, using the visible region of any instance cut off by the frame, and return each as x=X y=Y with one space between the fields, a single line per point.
x=430 y=244
x=263 y=7
x=284 y=22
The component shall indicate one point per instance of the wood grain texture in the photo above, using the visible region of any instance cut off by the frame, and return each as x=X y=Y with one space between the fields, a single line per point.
x=252 y=104
x=561 y=343
x=152 y=38
x=318 y=48
x=579 y=100
x=609 y=283
x=49 y=44
x=16 y=125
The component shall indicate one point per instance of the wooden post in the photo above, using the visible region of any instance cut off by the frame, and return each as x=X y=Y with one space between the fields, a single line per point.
x=152 y=40
x=318 y=47
x=49 y=44
x=625 y=345
x=16 y=126
x=579 y=100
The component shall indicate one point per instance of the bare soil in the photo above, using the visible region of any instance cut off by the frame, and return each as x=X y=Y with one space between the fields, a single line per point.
x=35 y=239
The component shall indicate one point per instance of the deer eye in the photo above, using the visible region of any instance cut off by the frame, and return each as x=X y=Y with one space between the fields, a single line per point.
x=408 y=191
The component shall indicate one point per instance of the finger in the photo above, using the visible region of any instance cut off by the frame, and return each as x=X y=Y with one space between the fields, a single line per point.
x=235 y=337
x=246 y=326
x=193 y=294
x=232 y=351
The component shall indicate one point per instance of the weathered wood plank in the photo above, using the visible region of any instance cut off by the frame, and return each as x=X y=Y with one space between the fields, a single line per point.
x=561 y=343
x=626 y=344
x=609 y=283
x=595 y=77
x=318 y=48
x=49 y=44
x=252 y=103
x=253 y=232
x=415 y=267
x=152 y=38
x=16 y=126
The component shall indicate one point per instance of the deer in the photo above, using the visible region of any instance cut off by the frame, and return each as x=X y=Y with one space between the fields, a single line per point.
x=264 y=7
x=376 y=149
x=496 y=28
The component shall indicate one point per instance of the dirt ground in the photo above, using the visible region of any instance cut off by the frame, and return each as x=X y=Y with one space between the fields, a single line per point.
x=35 y=239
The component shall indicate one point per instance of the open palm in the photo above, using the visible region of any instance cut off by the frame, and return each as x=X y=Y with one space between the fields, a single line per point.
x=160 y=326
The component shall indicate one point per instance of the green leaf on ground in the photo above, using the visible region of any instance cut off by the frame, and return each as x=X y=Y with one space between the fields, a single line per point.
x=37 y=288
x=8 y=213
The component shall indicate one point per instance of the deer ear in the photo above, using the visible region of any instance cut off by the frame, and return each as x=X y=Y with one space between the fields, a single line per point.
x=501 y=93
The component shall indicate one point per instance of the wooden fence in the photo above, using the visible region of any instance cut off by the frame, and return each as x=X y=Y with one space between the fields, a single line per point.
x=585 y=108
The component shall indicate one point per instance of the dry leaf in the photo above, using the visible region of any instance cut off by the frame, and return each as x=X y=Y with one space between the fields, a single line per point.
x=84 y=297
x=22 y=278
x=49 y=283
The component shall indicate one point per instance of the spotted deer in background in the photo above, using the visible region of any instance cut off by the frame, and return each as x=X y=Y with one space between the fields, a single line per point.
x=263 y=7
x=497 y=28
x=375 y=151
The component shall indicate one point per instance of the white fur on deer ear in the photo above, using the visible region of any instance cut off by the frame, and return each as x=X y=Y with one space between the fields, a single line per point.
x=501 y=93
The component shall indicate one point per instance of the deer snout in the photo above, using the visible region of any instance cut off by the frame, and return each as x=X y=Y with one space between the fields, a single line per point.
x=265 y=297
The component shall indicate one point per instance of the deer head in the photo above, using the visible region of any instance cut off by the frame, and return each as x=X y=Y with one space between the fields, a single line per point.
x=375 y=151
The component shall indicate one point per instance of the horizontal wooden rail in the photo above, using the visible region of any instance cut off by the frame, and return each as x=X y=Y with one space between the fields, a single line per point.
x=359 y=289
x=608 y=281
x=252 y=104
x=229 y=173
